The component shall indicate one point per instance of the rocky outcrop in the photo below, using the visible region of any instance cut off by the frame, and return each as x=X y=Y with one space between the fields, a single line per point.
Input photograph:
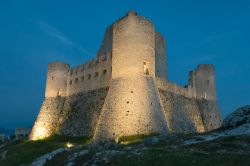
x=237 y=118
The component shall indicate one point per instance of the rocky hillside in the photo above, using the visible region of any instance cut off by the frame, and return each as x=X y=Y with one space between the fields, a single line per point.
x=237 y=118
x=227 y=146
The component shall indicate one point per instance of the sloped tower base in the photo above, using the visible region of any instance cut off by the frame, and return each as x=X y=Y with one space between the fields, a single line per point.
x=131 y=108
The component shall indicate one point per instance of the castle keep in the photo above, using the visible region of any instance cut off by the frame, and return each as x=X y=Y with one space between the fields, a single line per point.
x=125 y=91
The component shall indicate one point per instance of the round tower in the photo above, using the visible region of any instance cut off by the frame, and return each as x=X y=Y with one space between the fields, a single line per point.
x=56 y=84
x=132 y=106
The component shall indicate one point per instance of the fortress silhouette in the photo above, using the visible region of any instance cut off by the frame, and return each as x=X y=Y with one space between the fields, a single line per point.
x=125 y=91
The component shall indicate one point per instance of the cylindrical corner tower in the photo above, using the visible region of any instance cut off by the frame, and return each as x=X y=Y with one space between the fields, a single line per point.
x=53 y=103
x=56 y=84
x=132 y=106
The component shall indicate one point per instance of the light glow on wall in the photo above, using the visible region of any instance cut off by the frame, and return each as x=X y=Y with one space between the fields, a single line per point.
x=39 y=133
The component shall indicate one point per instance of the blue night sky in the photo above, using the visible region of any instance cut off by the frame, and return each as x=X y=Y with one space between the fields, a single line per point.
x=34 y=33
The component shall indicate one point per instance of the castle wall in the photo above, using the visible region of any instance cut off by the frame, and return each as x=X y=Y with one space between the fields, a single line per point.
x=182 y=113
x=160 y=56
x=185 y=111
x=174 y=88
x=92 y=75
x=132 y=105
x=56 y=84
x=88 y=81
x=124 y=90
x=210 y=113
x=81 y=113
x=202 y=81
x=47 y=119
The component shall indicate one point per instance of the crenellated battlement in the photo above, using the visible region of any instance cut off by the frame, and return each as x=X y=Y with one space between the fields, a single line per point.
x=91 y=75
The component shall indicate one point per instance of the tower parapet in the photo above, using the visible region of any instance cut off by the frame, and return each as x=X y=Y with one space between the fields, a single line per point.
x=56 y=84
x=202 y=82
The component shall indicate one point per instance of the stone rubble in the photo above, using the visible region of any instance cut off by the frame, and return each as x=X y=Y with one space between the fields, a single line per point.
x=43 y=159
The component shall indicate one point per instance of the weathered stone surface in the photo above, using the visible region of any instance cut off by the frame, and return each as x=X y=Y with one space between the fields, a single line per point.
x=210 y=114
x=116 y=93
x=81 y=113
x=47 y=119
x=133 y=105
x=237 y=118
x=182 y=113
x=189 y=115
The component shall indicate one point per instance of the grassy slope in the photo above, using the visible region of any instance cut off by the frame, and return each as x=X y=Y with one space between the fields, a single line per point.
x=227 y=151
x=27 y=151
x=161 y=157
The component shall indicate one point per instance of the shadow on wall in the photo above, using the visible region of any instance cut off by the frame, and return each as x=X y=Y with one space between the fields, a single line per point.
x=81 y=113
x=182 y=114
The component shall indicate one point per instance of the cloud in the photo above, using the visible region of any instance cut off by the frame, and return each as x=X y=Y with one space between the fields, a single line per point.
x=52 y=31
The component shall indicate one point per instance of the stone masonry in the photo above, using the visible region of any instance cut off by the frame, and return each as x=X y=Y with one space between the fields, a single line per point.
x=125 y=90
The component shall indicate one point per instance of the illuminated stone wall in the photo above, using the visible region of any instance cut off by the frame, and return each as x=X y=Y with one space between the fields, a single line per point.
x=132 y=105
x=93 y=74
x=124 y=90
x=47 y=119
x=81 y=113
x=189 y=115
x=210 y=113
x=182 y=113
x=90 y=76
x=56 y=84
x=80 y=81
x=174 y=88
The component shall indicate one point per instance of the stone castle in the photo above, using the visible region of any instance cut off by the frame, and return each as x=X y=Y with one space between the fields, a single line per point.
x=125 y=91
